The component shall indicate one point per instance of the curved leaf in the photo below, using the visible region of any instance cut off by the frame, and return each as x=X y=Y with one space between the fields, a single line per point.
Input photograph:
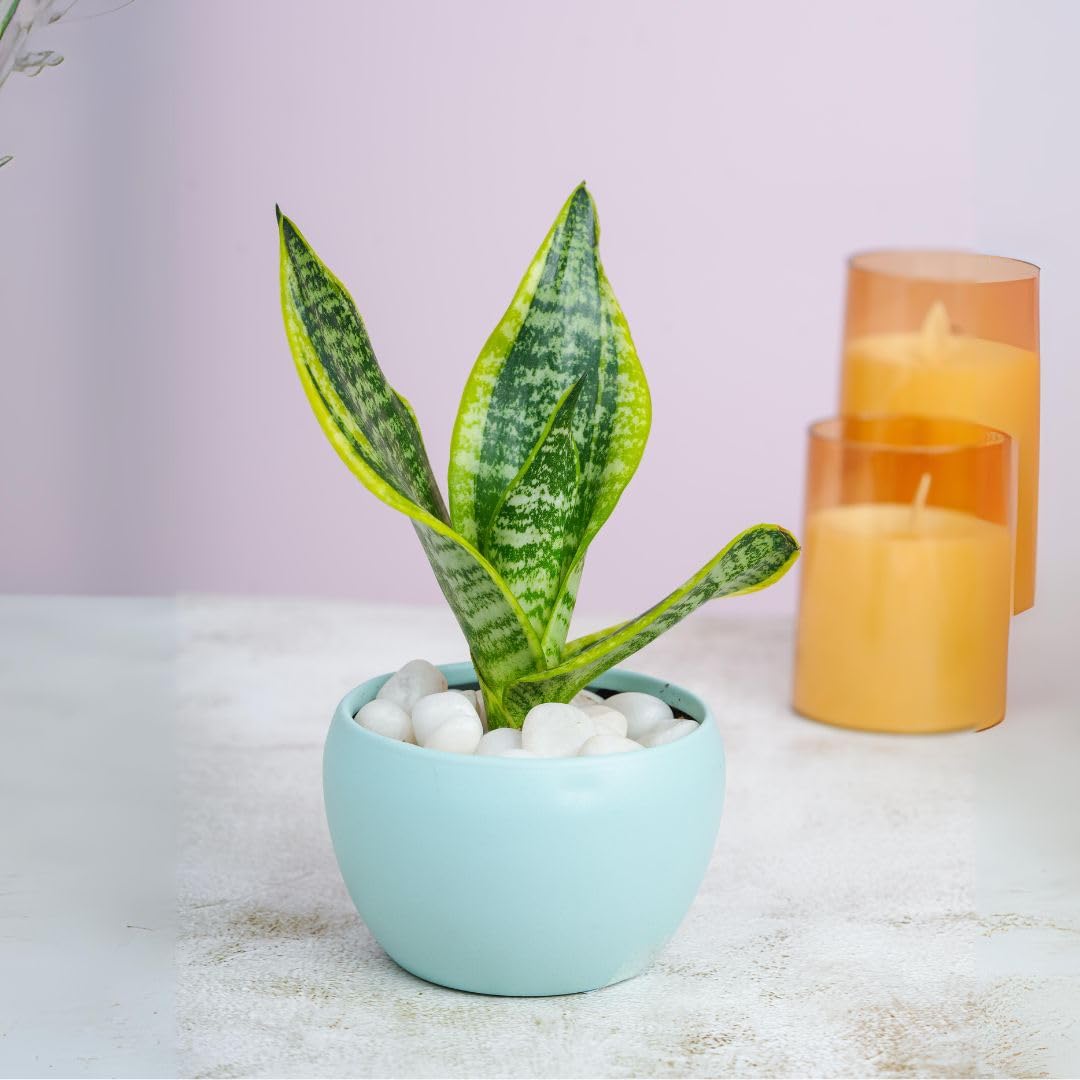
x=319 y=307
x=563 y=327
x=374 y=431
x=754 y=559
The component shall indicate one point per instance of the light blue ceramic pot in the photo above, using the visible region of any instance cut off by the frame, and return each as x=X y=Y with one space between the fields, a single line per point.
x=516 y=876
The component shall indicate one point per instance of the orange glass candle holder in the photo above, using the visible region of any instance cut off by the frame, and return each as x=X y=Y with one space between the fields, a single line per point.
x=907 y=567
x=951 y=334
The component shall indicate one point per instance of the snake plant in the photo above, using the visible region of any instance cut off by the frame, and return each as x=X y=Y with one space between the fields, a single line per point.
x=551 y=427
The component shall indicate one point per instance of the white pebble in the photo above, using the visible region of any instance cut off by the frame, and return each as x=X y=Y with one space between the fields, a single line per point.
x=460 y=734
x=386 y=718
x=555 y=730
x=586 y=697
x=664 y=735
x=498 y=740
x=431 y=712
x=607 y=744
x=644 y=713
x=607 y=721
x=516 y=751
x=417 y=679
x=476 y=699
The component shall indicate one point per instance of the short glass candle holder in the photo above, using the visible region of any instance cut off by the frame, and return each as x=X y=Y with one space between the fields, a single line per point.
x=907 y=570
x=951 y=334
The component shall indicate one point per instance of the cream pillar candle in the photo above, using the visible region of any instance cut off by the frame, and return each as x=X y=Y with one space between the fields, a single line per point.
x=904 y=618
x=906 y=592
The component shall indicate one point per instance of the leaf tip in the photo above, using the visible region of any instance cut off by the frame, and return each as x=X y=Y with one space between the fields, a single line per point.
x=786 y=535
x=581 y=194
x=581 y=207
x=286 y=229
x=286 y=226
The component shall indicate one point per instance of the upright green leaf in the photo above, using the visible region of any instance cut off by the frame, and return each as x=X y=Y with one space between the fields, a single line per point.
x=375 y=432
x=536 y=526
x=754 y=559
x=558 y=625
x=621 y=429
x=563 y=327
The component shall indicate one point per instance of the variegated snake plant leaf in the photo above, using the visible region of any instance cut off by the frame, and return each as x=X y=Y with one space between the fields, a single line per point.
x=552 y=425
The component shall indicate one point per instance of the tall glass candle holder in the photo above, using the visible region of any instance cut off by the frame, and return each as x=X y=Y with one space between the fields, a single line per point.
x=907 y=571
x=951 y=334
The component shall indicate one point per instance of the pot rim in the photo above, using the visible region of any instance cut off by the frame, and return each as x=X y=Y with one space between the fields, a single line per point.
x=463 y=672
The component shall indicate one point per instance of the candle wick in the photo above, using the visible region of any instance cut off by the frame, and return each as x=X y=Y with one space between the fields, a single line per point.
x=918 y=504
x=936 y=331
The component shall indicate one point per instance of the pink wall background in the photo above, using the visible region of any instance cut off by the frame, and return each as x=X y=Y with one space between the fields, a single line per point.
x=153 y=431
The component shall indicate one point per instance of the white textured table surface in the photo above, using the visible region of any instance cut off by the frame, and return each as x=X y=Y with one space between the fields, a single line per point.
x=875 y=906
